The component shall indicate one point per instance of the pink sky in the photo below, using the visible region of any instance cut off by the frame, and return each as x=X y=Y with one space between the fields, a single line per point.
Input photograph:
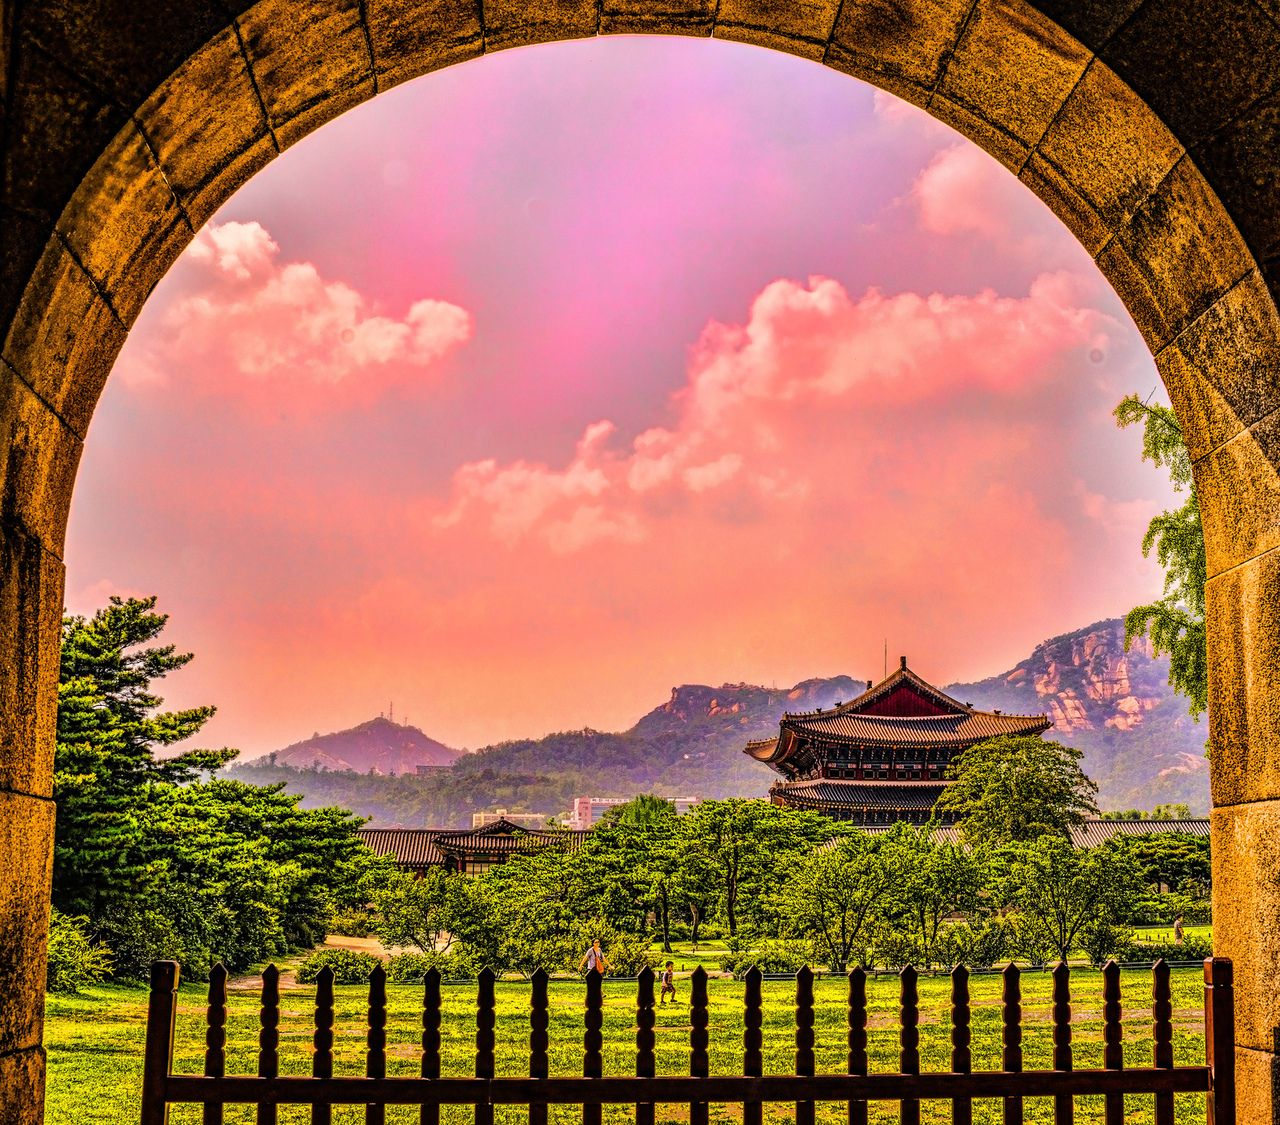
x=541 y=384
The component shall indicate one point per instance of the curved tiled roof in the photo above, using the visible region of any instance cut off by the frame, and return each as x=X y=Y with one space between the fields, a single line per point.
x=429 y=847
x=861 y=794
x=410 y=847
x=893 y=730
x=1094 y=832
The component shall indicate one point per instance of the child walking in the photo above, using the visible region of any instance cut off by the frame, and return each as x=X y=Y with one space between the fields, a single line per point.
x=668 y=983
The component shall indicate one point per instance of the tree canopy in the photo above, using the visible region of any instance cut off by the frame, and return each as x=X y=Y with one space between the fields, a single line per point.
x=1175 y=621
x=1016 y=788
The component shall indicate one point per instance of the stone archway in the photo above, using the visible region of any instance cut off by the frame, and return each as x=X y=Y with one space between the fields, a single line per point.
x=1151 y=127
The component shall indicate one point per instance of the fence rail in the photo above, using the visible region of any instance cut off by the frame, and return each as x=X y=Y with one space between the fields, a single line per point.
x=699 y=1089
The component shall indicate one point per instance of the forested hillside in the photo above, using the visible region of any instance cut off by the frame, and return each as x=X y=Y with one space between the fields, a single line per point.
x=1140 y=745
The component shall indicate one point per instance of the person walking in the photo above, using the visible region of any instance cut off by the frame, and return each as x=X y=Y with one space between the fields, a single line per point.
x=1177 y=930
x=594 y=960
x=668 y=983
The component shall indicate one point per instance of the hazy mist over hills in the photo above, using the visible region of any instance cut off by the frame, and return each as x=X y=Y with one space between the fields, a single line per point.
x=1140 y=745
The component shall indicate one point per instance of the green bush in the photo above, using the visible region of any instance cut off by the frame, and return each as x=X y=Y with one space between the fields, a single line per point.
x=349 y=966
x=409 y=968
x=74 y=958
x=357 y=922
x=1191 y=949
x=770 y=957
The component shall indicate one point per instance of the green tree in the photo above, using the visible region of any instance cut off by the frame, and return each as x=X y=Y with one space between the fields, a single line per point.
x=741 y=850
x=1174 y=622
x=413 y=909
x=1058 y=893
x=934 y=883
x=110 y=730
x=834 y=896
x=1017 y=788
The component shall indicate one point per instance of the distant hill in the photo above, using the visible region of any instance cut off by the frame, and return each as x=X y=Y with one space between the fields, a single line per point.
x=378 y=746
x=1139 y=744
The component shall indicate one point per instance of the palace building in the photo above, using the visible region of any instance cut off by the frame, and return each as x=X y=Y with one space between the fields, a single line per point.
x=883 y=756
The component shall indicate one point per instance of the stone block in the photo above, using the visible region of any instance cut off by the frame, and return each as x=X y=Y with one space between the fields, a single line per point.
x=798 y=27
x=146 y=43
x=22 y=1080
x=124 y=224
x=1239 y=492
x=1198 y=69
x=311 y=60
x=1257 y=1086
x=39 y=467
x=1243 y=620
x=55 y=126
x=206 y=156
x=1177 y=255
x=986 y=134
x=31 y=583
x=1064 y=200
x=1240 y=164
x=26 y=842
x=657 y=17
x=1220 y=372
x=901 y=46
x=22 y=241
x=417 y=36
x=64 y=337
x=1013 y=68
x=1246 y=917
x=1093 y=22
x=517 y=23
x=1109 y=145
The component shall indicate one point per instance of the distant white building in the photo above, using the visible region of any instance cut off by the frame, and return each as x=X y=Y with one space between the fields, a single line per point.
x=521 y=819
x=588 y=810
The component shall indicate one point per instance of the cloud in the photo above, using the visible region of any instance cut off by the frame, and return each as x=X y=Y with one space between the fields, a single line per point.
x=777 y=411
x=246 y=324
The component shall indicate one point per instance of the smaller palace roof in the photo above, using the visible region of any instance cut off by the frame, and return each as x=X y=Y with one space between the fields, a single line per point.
x=902 y=711
x=417 y=848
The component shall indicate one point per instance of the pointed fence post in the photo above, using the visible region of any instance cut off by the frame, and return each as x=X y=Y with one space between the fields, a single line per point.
x=1162 y=1033
x=269 y=1038
x=1064 y=1104
x=1011 y=1036
x=486 y=1021
x=157 y=1060
x=752 y=1041
x=909 y=1039
x=805 y=1061
x=1219 y=1040
x=322 y=1042
x=593 y=1042
x=375 y=1065
x=539 y=1041
x=215 y=1038
x=429 y=1068
x=646 y=1041
x=699 y=1040
x=1112 y=1037
x=857 y=1039
x=961 y=1058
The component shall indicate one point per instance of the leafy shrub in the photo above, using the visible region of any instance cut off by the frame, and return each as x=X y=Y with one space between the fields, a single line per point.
x=349 y=966
x=74 y=958
x=457 y=964
x=139 y=937
x=1161 y=909
x=1100 y=941
x=356 y=922
x=771 y=957
x=977 y=946
x=1191 y=949
x=629 y=953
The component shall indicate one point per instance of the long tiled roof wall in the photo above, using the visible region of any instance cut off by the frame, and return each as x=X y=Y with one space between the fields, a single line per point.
x=429 y=847
x=1088 y=835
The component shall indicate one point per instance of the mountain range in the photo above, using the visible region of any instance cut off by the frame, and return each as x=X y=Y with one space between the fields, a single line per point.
x=1116 y=706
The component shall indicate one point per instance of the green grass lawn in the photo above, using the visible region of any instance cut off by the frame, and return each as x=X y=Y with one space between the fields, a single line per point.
x=94 y=1042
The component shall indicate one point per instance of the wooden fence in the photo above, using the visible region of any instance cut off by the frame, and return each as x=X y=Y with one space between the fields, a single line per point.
x=908 y=1086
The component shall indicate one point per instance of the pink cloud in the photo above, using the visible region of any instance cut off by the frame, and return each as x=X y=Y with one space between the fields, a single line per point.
x=810 y=359
x=248 y=324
